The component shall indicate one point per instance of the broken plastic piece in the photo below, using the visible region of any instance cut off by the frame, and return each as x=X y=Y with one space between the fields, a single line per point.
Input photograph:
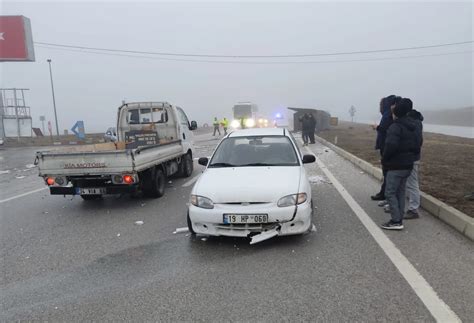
x=181 y=230
x=138 y=222
x=264 y=236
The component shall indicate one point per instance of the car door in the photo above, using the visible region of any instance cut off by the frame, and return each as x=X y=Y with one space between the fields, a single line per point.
x=186 y=135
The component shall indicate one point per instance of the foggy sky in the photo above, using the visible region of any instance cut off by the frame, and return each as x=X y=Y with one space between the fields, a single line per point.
x=90 y=87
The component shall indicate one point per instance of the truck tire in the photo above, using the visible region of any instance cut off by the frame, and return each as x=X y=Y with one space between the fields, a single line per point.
x=91 y=197
x=190 y=225
x=186 y=167
x=157 y=185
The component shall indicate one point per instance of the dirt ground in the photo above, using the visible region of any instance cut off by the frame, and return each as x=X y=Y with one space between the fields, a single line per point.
x=446 y=166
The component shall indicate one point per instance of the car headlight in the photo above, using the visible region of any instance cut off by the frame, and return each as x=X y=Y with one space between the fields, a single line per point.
x=202 y=202
x=235 y=124
x=293 y=199
x=250 y=123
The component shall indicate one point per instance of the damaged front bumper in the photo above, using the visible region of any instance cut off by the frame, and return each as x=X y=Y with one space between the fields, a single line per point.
x=209 y=222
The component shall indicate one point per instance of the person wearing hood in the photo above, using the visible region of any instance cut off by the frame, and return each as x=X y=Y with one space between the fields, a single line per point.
x=386 y=105
x=401 y=150
x=413 y=187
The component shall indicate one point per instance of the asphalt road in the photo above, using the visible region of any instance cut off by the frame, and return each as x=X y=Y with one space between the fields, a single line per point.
x=64 y=259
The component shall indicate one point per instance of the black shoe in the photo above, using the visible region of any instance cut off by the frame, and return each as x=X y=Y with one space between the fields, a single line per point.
x=411 y=215
x=377 y=197
x=390 y=225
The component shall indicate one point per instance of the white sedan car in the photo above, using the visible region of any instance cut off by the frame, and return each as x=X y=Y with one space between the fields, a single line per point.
x=254 y=186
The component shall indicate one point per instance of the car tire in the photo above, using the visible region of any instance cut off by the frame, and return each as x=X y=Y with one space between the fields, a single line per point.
x=190 y=225
x=186 y=166
x=157 y=184
x=91 y=197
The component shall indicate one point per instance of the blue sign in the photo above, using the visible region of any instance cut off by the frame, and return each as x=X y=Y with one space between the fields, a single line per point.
x=78 y=130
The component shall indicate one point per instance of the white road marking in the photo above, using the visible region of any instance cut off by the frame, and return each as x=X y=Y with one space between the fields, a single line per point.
x=191 y=181
x=437 y=307
x=24 y=194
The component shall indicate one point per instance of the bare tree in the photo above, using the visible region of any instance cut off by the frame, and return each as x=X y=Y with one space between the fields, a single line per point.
x=352 y=112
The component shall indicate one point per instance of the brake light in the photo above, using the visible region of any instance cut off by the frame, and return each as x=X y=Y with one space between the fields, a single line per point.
x=50 y=181
x=128 y=179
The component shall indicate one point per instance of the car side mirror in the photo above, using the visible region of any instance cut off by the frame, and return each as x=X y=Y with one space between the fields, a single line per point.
x=307 y=159
x=193 y=126
x=203 y=161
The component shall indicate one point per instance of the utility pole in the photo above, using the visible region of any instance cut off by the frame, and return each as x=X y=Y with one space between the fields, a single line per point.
x=54 y=100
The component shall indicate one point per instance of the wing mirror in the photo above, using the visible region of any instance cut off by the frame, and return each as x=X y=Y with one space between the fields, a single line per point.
x=203 y=161
x=193 y=126
x=307 y=159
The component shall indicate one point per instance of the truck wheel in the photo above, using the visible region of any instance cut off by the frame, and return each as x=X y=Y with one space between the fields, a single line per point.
x=157 y=185
x=190 y=225
x=186 y=167
x=91 y=197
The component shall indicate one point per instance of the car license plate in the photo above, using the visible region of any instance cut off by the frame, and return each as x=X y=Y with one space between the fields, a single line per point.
x=245 y=218
x=92 y=191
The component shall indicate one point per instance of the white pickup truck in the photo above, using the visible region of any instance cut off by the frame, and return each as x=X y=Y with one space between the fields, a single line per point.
x=154 y=141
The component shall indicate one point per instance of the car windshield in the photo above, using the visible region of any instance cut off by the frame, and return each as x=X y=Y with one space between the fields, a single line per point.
x=255 y=151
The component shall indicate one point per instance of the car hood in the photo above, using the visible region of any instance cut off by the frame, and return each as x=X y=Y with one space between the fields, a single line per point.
x=248 y=184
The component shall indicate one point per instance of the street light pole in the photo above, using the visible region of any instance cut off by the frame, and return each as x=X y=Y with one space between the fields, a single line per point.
x=54 y=100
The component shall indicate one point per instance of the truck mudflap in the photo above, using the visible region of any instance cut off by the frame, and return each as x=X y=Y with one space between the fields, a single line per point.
x=61 y=190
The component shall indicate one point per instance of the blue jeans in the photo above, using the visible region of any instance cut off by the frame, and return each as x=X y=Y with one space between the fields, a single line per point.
x=395 y=192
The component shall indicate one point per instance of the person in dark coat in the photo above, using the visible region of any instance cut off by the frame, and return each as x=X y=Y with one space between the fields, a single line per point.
x=313 y=128
x=401 y=150
x=306 y=125
x=413 y=186
x=386 y=105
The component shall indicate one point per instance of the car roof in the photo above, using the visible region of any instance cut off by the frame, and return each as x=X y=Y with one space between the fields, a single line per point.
x=259 y=132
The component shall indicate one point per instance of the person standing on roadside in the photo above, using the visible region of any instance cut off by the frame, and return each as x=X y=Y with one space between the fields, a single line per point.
x=225 y=125
x=386 y=105
x=413 y=186
x=306 y=125
x=313 y=128
x=402 y=147
x=215 y=123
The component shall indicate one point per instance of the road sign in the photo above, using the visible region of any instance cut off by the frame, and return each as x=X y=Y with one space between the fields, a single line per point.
x=42 y=118
x=16 y=41
x=78 y=130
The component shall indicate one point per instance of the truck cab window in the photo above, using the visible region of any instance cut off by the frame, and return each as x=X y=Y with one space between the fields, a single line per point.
x=133 y=117
x=145 y=115
x=183 y=119
x=160 y=115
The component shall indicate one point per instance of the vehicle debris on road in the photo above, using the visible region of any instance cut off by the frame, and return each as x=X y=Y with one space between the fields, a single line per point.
x=139 y=222
x=181 y=230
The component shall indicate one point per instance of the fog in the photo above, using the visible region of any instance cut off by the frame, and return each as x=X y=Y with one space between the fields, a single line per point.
x=91 y=86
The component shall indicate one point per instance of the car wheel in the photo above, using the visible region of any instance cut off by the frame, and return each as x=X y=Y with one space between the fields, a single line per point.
x=157 y=184
x=190 y=225
x=91 y=197
x=186 y=167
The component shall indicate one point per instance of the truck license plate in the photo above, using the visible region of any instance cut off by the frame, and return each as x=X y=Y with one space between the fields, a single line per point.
x=92 y=191
x=245 y=218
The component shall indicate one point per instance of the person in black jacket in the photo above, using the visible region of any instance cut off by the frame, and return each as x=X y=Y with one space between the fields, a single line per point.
x=413 y=187
x=306 y=125
x=386 y=105
x=401 y=150
x=313 y=128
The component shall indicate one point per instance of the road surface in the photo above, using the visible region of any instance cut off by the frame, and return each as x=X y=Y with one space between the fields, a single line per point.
x=64 y=259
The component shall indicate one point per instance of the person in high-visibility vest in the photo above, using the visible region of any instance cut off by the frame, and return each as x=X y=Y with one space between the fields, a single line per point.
x=216 y=126
x=225 y=125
